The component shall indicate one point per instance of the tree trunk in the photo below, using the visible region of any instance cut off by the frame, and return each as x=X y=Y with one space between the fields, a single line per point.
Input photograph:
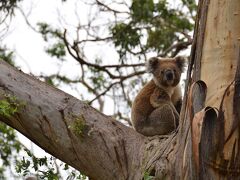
x=219 y=146
x=206 y=144
x=210 y=119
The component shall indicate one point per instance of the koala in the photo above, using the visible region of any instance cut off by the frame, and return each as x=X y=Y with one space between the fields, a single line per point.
x=156 y=108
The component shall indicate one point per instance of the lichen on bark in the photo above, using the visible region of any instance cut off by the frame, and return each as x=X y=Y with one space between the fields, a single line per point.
x=10 y=105
x=79 y=126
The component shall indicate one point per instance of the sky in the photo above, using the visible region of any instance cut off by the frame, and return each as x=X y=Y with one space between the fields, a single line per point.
x=28 y=44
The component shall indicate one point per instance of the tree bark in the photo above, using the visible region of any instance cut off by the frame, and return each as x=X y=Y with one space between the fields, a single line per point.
x=205 y=146
x=219 y=145
x=210 y=120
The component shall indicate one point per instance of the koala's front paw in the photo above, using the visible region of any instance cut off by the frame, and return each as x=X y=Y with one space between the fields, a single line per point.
x=159 y=97
x=155 y=103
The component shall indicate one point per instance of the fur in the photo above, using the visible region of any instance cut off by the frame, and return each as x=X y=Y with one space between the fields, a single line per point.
x=156 y=108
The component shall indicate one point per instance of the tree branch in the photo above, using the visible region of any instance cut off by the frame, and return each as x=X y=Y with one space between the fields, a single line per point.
x=177 y=48
x=72 y=131
x=82 y=61
x=109 y=8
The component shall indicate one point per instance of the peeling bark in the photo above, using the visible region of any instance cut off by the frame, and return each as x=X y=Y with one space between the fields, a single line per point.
x=208 y=138
x=219 y=146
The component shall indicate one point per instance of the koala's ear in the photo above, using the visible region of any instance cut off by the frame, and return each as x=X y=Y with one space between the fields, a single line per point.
x=152 y=64
x=181 y=62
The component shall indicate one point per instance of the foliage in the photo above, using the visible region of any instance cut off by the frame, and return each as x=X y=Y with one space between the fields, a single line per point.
x=57 y=48
x=162 y=23
x=44 y=168
x=6 y=55
x=24 y=166
x=9 y=147
x=7 y=143
x=9 y=106
x=8 y=6
x=126 y=37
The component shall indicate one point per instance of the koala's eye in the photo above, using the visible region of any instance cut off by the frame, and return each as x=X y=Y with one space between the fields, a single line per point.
x=174 y=71
x=162 y=72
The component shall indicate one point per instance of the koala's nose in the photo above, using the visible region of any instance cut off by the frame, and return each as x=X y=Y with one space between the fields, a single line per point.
x=169 y=75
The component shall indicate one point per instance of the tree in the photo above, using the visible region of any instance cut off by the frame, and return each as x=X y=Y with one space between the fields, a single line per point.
x=132 y=32
x=205 y=146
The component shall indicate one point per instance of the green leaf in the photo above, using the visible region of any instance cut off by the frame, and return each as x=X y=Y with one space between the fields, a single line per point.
x=57 y=50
